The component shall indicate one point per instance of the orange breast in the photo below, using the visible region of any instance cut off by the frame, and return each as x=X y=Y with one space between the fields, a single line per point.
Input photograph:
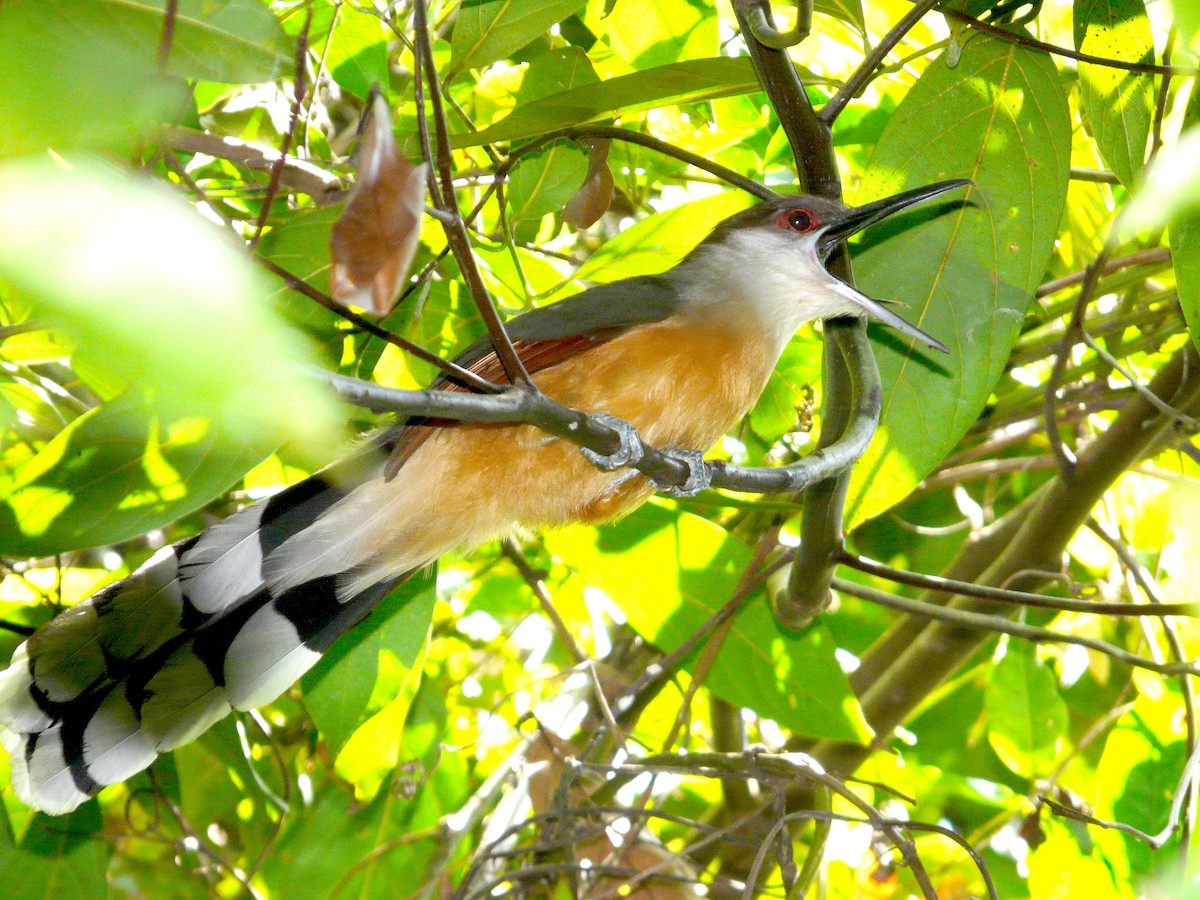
x=678 y=386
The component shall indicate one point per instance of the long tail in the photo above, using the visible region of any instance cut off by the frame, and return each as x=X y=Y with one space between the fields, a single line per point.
x=149 y=663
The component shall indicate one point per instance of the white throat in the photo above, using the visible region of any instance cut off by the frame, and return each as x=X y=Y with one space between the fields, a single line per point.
x=774 y=280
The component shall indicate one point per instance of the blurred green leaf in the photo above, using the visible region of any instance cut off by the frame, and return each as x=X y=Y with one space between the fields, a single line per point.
x=775 y=413
x=1118 y=105
x=60 y=858
x=338 y=689
x=178 y=310
x=487 y=30
x=968 y=274
x=651 y=33
x=118 y=471
x=543 y=182
x=358 y=50
x=1187 y=20
x=1026 y=716
x=1185 y=252
x=683 y=82
x=670 y=572
x=49 y=49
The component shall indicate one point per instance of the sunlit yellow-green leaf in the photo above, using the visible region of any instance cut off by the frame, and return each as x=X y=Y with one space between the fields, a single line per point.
x=671 y=571
x=967 y=272
x=160 y=299
x=1118 y=104
x=1026 y=716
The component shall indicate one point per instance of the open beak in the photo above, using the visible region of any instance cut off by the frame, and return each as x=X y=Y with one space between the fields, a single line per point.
x=859 y=218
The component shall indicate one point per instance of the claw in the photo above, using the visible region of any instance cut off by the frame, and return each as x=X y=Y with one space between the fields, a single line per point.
x=630 y=451
x=699 y=474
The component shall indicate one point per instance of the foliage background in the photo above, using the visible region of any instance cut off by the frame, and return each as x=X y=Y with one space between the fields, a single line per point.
x=149 y=387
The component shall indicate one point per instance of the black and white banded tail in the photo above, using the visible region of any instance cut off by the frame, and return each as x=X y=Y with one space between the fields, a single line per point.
x=205 y=626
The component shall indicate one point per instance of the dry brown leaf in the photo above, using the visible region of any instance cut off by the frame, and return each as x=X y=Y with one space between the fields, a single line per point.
x=591 y=201
x=372 y=245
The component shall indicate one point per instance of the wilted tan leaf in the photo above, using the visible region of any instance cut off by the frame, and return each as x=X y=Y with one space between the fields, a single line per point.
x=591 y=201
x=372 y=245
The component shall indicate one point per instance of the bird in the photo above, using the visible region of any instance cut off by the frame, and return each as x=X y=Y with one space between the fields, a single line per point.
x=230 y=618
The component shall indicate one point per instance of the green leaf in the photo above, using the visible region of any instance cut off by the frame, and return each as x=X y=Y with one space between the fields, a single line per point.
x=774 y=415
x=1184 y=240
x=670 y=572
x=1140 y=768
x=849 y=11
x=118 y=471
x=651 y=33
x=968 y=274
x=358 y=51
x=299 y=242
x=684 y=82
x=60 y=858
x=488 y=30
x=1027 y=717
x=543 y=182
x=338 y=689
x=154 y=296
x=336 y=842
x=1118 y=105
x=656 y=243
x=49 y=49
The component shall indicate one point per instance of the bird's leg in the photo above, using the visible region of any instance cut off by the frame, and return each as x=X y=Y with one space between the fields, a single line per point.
x=699 y=474
x=628 y=454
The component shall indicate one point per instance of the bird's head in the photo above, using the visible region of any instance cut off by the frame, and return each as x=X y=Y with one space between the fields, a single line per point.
x=773 y=257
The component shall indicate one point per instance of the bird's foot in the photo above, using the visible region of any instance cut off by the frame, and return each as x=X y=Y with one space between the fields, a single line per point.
x=628 y=454
x=699 y=474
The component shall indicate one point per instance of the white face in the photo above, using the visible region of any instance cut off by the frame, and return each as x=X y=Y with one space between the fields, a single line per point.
x=771 y=274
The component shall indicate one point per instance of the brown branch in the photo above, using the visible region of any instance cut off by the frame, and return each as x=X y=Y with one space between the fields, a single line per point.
x=864 y=73
x=900 y=669
x=297 y=174
x=444 y=199
x=299 y=89
x=452 y=369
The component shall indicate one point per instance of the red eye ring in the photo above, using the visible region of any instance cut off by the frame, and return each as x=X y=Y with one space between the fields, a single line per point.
x=799 y=220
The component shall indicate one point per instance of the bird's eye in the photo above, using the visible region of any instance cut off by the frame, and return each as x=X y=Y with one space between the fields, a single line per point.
x=798 y=220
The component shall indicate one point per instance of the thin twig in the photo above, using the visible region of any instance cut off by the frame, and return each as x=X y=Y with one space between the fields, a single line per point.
x=1153 y=256
x=963 y=618
x=452 y=369
x=166 y=36
x=444 y=199
x=863 y=74
x=1016 y=37
x=299 y=88
x=1006 y=595
x=1166 y=409
x=516 y=556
